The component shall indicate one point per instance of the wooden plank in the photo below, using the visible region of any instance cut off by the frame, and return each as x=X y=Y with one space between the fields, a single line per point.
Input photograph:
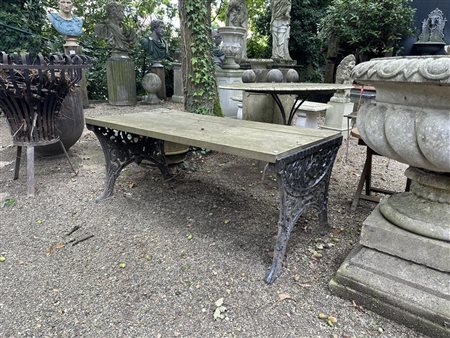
x=259 y=141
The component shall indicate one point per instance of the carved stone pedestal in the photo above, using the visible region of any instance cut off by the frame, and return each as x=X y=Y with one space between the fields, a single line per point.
x=402 y=267
x=120 y=73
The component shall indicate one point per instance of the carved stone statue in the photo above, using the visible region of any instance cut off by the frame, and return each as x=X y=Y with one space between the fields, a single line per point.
x=433 y=27
x=344 y=70
x=237 y=16
x=343 y=76
x=218 y=54
x=280 y=27
x=155 y=46
x=120 y=39
x=64 y=21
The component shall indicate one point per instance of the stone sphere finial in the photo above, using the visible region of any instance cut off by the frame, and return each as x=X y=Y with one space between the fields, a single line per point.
x=249 y=76
x=292 y=75
x=274 y=75
x=151 y=83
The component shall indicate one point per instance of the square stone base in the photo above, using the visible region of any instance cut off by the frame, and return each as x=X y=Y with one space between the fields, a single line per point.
x=380 y=234
x=411 y=294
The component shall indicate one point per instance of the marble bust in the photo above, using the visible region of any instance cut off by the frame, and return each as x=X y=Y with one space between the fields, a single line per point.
x=64 y=21
x=155 y=46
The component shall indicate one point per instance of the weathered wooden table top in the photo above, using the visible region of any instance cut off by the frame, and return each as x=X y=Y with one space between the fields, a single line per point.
x=256 y=140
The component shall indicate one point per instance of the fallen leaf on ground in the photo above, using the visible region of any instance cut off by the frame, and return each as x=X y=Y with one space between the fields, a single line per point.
x=122 y=265
x=219 y=302
x=322 y=316
x=8 y=202
x=189 y=236
x=285 y=296
x=226 y=221
x=2 y=259
x=40 y=221
x=54 y=247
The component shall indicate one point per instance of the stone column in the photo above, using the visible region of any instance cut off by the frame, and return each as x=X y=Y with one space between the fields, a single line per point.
x=72 y=47
x=227 y=76
x=178 y=90
x=121 y=77
x=158 y=69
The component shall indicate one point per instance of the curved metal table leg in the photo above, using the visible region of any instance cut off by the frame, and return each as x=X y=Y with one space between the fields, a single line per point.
x=303 y=182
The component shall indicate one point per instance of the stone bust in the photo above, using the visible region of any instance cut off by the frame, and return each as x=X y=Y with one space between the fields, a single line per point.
x=120 y=39
x=218 y=54
x=343 y=76
x=155 y=46
x=64 y=21
x=344 y=69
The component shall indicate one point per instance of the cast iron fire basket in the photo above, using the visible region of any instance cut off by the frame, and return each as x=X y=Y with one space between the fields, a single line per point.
x=31 y=94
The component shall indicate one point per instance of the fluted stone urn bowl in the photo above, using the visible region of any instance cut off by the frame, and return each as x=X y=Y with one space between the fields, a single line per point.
x=410 y=122
x=232 y=42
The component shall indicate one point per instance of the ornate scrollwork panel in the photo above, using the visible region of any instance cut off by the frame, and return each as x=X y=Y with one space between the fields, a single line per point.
x=122 y=148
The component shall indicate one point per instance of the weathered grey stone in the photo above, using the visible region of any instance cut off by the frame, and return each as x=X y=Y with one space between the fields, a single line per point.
x=248 y=76
x=378 y=233
x=227 y=76
x=121 y=78
x=178 y=95
x=292 y=76
x=151 y=83
x=341 y=104
x=274 y=75
x=412 y=294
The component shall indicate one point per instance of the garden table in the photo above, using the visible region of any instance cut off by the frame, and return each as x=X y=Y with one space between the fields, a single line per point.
x=301 y=91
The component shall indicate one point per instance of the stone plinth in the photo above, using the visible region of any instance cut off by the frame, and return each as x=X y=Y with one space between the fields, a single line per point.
x=178 y=90
x=121 y=79
x=335 y=116
x=227 y=76
x=72 y=47
x=158 y=69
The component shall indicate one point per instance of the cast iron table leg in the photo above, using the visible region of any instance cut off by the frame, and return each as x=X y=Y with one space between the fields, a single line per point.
x=122 y=148
x=303 y=181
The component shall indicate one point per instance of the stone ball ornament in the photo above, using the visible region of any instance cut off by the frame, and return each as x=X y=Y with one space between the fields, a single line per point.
x=151 y=83
x=292 y=75
x=274 y=75
x=248 y=76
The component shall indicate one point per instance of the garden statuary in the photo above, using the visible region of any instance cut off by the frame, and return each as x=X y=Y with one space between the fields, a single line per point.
x=120 y=69
x=340 y=102
x=237 y=17
x=70 y=121
x=157 y=49
x=155 y=46
x=120 y=39
x=431 y=40
x=64 y=21
x=400 y=267
x=280 y=27
x=218 y=54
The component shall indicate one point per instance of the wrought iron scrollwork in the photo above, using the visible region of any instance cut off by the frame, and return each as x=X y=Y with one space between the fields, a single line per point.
x=303 y=182
x=122 y=148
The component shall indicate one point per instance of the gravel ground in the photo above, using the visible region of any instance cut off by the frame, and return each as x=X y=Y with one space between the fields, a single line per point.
x=183 y=246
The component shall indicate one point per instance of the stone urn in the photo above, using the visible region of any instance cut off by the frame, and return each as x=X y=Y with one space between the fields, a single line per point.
x=401 y=268
x=232 y=45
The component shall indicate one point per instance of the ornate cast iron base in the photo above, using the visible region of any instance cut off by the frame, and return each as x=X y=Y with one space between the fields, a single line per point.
x=121 y=148
x=303 y=178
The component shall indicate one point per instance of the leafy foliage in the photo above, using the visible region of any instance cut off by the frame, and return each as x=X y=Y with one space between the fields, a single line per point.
x=367 y=28
x=200 y=82
x=24 y=25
